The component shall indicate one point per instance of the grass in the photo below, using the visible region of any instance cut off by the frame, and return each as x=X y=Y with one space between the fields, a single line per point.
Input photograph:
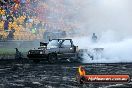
x=7 y=51
x=11 y=51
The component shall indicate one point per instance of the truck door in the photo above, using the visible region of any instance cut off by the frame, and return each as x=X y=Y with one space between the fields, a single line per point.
x=66 y=47
x=53 y=46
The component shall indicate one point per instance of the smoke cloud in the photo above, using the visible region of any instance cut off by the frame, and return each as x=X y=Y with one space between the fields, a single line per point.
x=111 y=21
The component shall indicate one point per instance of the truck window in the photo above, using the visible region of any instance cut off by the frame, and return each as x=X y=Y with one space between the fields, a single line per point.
x=66 y=43
x=53 y=44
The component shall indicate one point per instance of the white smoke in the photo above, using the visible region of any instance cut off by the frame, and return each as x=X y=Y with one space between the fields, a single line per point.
x=102 y=15
x=111 y=21
x=116 y=51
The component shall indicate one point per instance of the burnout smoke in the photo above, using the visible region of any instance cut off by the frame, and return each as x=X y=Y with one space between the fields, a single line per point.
x=111 y=21
x=114 y=52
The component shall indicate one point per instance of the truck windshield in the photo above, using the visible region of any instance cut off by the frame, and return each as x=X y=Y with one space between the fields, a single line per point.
x=53 y=44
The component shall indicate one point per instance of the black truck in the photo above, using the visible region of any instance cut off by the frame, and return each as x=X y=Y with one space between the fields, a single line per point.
x=55 y=50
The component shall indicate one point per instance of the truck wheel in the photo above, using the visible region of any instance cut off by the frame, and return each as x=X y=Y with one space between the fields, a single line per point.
x=71 y=60
x=52 y=58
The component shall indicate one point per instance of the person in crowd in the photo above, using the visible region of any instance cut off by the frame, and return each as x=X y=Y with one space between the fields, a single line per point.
x=25 y=21
x=15 y=7
x=3 y=17
x=6 y=25
x=16 y=14
x=33 y=30
x=1 y=24
x=2 y=11
x=30 y=20
x=1 y=37
x=39 y=25
x=10 y=18
x=17 y=1
x=3 y=2
x=11 y=2
x=11 y=34
x=22 y=2
x=8 y=10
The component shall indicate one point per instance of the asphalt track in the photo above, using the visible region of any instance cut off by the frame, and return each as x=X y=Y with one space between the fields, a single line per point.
x=26 y=74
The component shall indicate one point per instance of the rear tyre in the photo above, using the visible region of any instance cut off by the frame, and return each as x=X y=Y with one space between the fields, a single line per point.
x=71 y=60
x=52 y=58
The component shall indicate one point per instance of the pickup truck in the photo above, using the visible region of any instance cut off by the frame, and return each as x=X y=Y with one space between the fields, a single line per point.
x=55 y=50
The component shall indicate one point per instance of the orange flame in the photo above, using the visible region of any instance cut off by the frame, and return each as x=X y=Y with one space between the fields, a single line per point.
x=81 y=71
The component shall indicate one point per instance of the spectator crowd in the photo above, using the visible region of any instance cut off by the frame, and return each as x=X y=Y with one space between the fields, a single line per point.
x=29 y=19
x=19 y=19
